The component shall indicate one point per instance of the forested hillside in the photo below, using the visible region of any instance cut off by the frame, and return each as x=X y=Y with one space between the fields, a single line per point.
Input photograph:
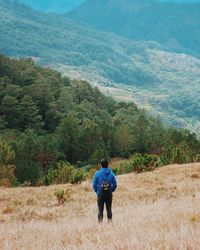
x=165 y=83
x=47 y=120
x=177 y=26
x=52 y=39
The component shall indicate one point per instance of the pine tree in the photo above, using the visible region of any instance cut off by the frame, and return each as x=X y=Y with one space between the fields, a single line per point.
x=29 y=114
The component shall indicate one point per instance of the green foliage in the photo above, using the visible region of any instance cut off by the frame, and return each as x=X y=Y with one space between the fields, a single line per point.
x=7 y=153
x=60 y=175
x=49 y=120
x=139 y=163
x=60 y=196
x=164 y=76
x=7 y=169
x=78 y=176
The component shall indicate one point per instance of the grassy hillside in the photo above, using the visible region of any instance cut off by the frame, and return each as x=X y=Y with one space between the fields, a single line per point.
x=158 y=210
x=173 y=24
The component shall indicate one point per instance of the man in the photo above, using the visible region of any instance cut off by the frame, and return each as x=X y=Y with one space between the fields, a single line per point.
x=104 y=184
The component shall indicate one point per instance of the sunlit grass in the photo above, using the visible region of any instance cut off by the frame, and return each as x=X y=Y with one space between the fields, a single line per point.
x=154 y=210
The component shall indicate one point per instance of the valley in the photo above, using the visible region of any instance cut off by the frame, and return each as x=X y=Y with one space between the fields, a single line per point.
x=156 y=75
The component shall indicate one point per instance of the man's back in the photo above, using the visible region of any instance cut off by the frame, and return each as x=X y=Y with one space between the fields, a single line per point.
x=104 y=184
x=107 y=175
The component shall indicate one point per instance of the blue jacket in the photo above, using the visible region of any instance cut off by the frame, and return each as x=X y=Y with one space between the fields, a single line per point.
x=107 y=175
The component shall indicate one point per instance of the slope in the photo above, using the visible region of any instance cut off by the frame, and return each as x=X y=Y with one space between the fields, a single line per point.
x=164 y=82
x=49 y=38
x=157 y=210
x=175 y=25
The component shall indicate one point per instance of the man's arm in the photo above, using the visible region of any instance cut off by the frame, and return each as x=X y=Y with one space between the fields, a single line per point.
x=114 y=183
x=95 y=183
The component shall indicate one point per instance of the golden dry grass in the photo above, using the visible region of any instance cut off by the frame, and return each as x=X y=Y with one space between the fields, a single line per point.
x=155 y=210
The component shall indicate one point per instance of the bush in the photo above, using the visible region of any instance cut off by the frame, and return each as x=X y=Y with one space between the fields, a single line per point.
x=7 y=169
x=7 y=154
x=140 y=163
x=77 y=177
x=7 y=175
x=60 y=196
x=61 y=175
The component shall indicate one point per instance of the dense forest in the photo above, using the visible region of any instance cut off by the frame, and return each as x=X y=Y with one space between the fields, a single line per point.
x=51 y=127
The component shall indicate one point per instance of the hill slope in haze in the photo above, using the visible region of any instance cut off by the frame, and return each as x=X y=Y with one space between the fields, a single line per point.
x=176 y=26
x=157 y=210
x=52 y=39
x=164 y=82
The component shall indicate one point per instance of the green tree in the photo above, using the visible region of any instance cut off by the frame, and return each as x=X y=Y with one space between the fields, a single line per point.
x=11 y=112
x=124 y=140
x=141 y=135
x=68 y=134
x=29 y=113
x=27 y=167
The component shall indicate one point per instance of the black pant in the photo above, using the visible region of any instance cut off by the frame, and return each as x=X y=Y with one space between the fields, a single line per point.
x=108 y=201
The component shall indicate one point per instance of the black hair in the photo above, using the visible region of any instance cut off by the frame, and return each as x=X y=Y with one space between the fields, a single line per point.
x=104 y=163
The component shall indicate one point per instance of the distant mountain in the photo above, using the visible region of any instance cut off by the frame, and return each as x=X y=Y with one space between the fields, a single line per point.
x=174 y=25
x=163 y=82
x=51 y=39
x=60 y=6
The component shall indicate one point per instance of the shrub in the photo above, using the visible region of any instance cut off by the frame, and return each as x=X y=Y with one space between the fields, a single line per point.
x=7 y=175
x=62 y=174
x=60 y=196
x=7 y=169
x=138 y=164
x=77 y=177
x=7 y=154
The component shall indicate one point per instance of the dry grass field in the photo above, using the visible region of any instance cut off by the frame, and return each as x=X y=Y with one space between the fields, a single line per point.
x=155 y=210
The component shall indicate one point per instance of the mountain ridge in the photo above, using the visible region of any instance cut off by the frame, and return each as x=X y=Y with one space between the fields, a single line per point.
x=127 y=70
x=165 y=22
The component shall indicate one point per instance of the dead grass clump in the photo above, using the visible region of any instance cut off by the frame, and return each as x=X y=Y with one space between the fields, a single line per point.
x=30 y=215
x=30 y=202
x=195 y=218
x=195 y=176
x=8 y=210
x=62 y=196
